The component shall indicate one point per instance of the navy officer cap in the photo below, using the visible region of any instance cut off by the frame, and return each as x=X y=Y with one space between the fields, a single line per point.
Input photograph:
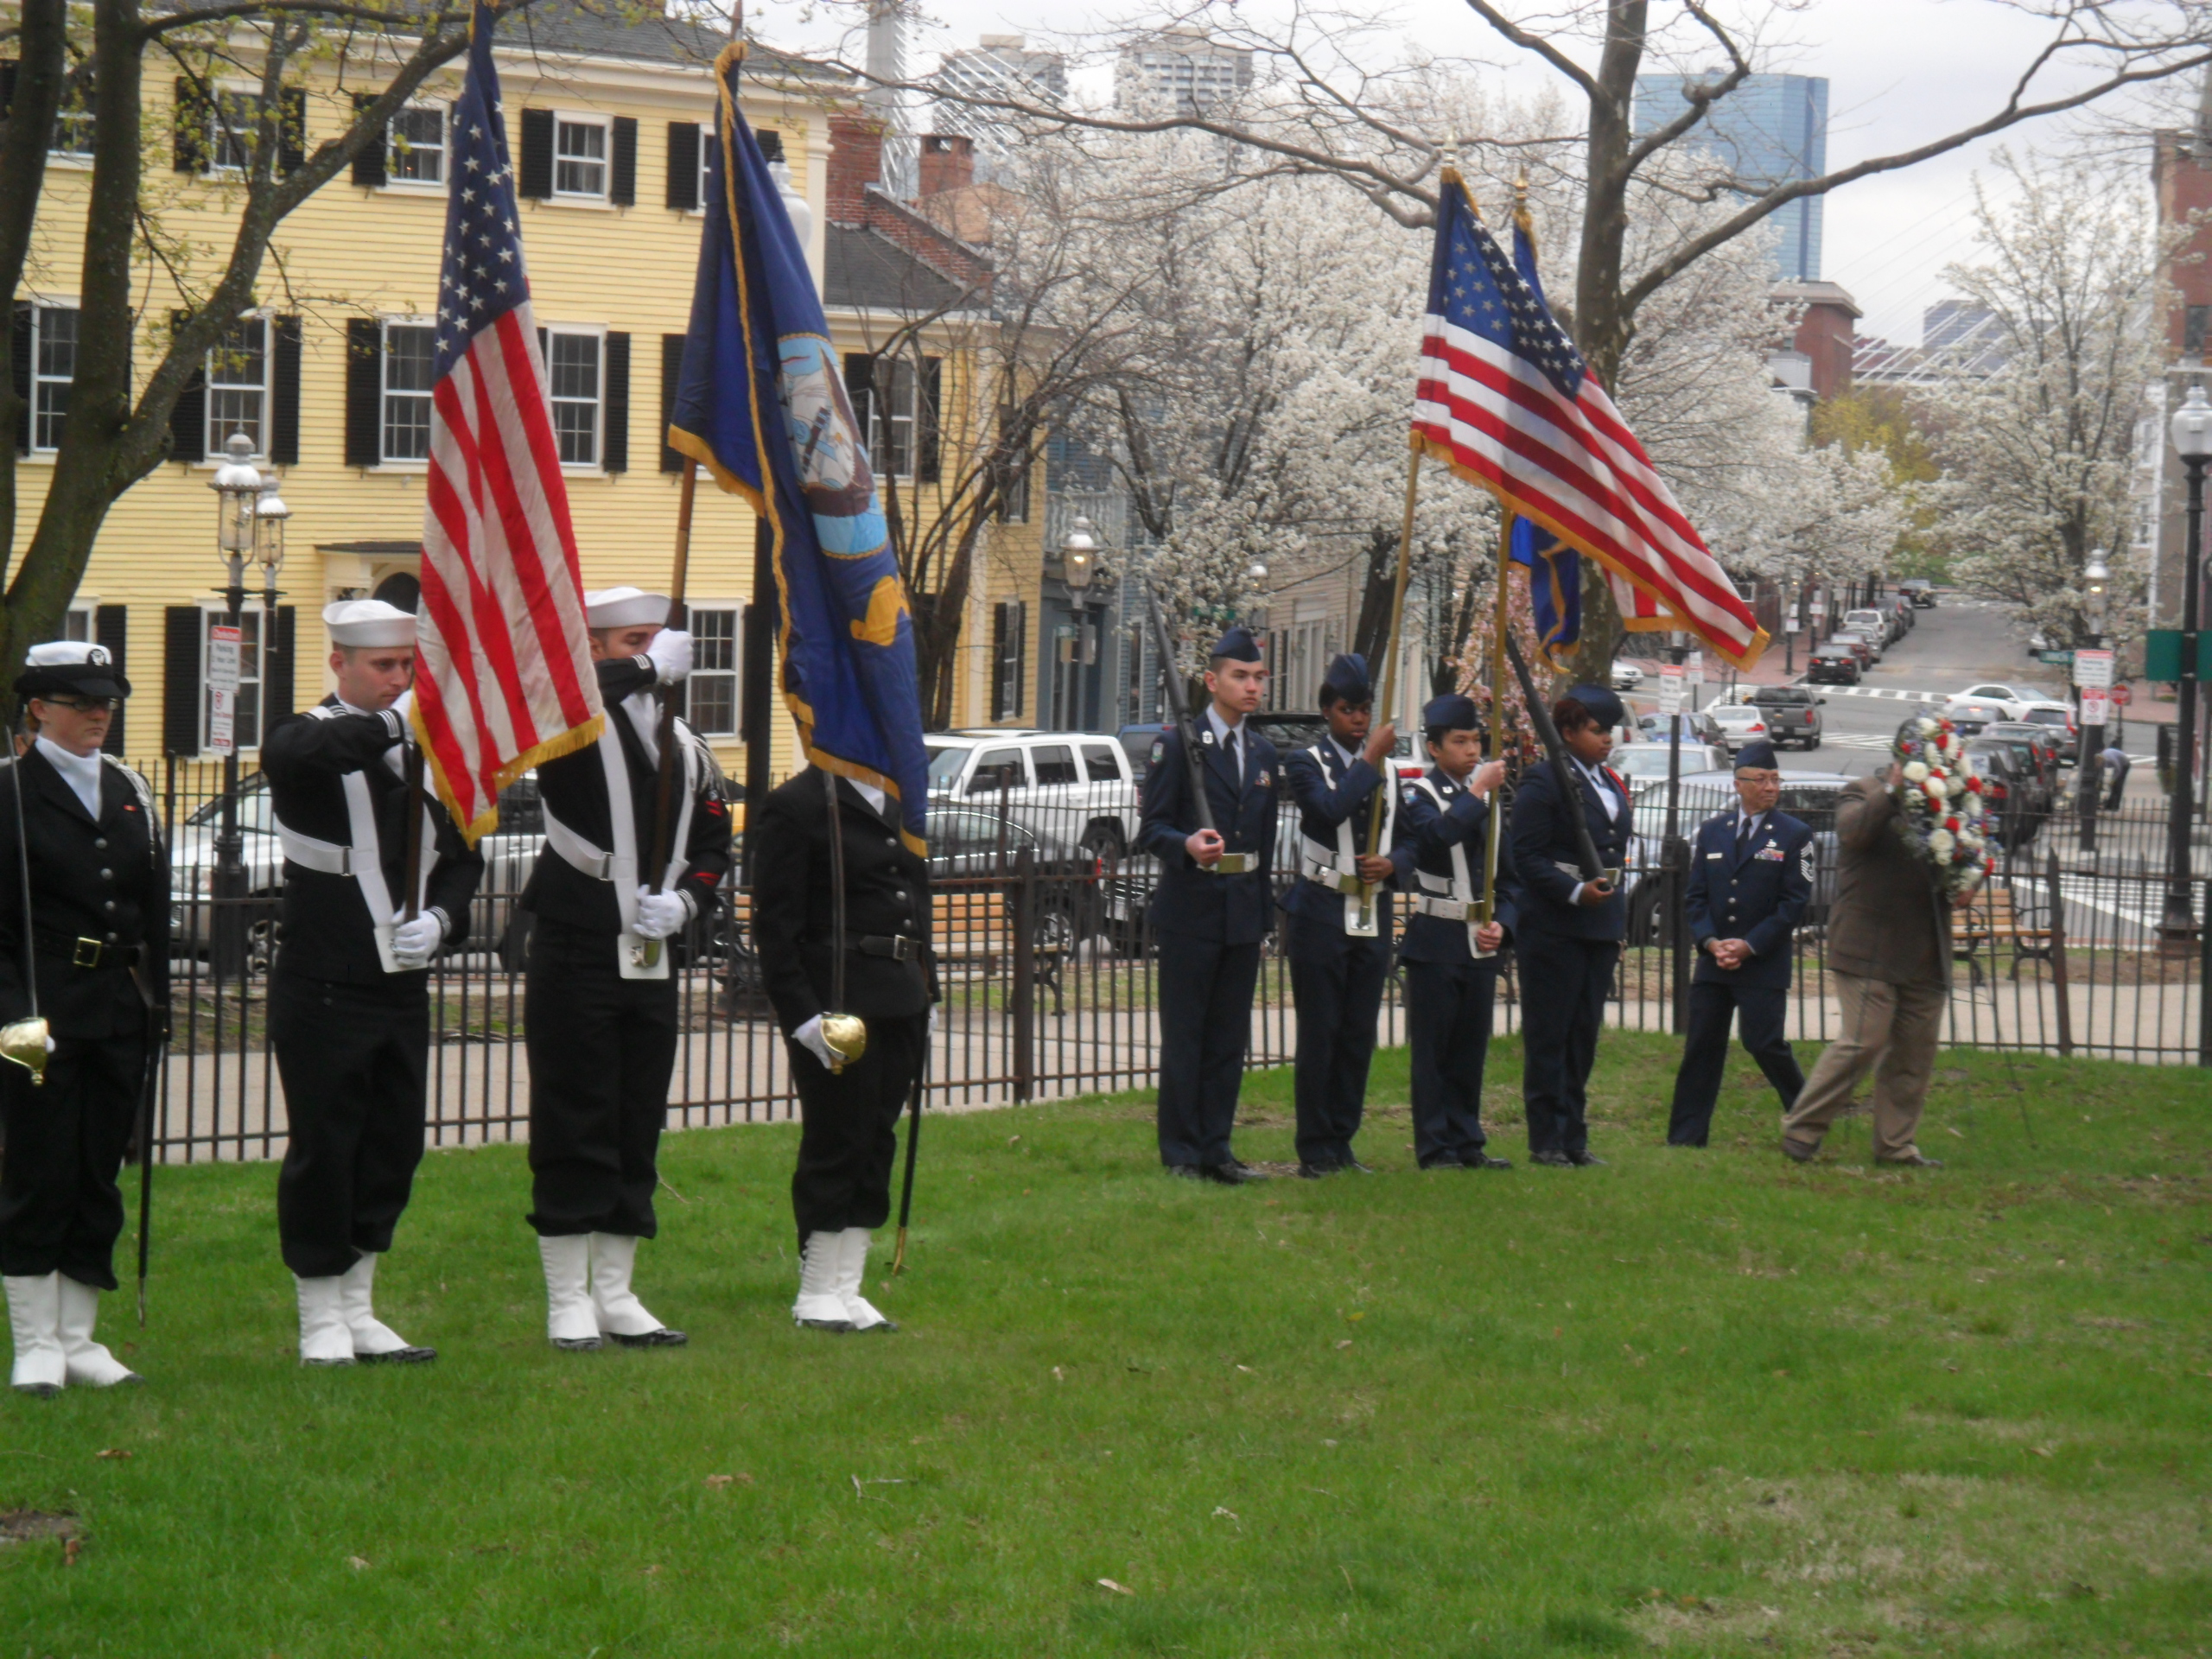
x=1758 y=757
x=71 y=668
x=1238 y=644
x=1601 y=702
x=1453 y=712
x=1347 y=678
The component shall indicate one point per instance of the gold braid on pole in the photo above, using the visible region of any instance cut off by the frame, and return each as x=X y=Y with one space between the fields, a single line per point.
x=1502 y=621
x=1389 y=699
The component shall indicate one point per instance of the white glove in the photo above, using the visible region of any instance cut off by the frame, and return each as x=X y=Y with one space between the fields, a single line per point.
x=671 y=653
x=810 y=1038
x=659 y=914
x=414 y=943
x=932 y=1019
x=404 y=706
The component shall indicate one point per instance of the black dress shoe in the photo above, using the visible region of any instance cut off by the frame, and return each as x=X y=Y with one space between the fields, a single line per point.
x=1356 y=1167
x=1185 y=1172
x=1317 y=1172
x=663 y=1337
x=1586 y=1161
x=1231 y=1173
x=400 y=1357
x=1480 y=1159
x=1552 y=1160
x=1444 y=1160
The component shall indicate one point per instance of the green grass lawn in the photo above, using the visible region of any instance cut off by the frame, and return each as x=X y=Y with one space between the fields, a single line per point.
x=1704 y=1401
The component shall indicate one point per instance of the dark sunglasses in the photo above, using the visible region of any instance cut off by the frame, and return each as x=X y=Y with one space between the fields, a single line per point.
x=85 y=705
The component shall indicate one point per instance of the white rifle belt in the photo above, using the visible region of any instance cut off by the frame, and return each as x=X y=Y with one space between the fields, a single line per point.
x=328 y=857
x=1451 y=910
x=587 y=859
x=1326 y=874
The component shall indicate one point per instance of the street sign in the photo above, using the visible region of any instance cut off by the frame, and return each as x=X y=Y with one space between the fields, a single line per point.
x=2122 y=695
x=2092 y=670
x=1791 y=624
x=2162 y=655
x=2056 y=658
x=1695 y=666
x=2095 y=711
x=1672 y=690
x=223 y=643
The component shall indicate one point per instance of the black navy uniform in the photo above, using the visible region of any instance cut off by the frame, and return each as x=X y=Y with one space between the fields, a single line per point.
x=849 y=1138
x=351 y=1039
x=1451 y=992
x=99 y=927
x=602 y=1047
x=1337 y=974
x=1749 y=880
x=1566 y=951
x=1210 y=927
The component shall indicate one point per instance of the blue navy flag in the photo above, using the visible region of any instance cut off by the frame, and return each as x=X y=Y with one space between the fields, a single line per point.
x=760 y=403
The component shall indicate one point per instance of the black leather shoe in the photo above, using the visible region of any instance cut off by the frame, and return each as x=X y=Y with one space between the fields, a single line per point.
x=400 y=1357
x=1799 y=1152
x=1356 y=1167
x=1185 y=1172
x=1479 y=1159
x=1586 y=1161
x=663 y=1337
x=1231 y=1173
x=1317 y=1172
x=1444 y=1160
x=1552 y=1160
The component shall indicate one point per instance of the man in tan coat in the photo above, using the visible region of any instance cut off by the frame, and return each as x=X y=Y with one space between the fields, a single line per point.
x=1890 y=946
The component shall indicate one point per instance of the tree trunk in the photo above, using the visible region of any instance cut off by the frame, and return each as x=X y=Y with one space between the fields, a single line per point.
x=40 y=44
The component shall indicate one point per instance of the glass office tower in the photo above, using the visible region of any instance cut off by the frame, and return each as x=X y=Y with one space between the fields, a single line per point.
x=1770 y=129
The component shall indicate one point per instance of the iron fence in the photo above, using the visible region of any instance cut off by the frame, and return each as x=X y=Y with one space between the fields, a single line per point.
x=1047 y=959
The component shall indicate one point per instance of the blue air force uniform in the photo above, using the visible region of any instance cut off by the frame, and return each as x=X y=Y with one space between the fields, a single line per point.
x=1339 y=951
x=1568 y=952
x=1209 y=926
x=1750 y=878
x=1451 y=993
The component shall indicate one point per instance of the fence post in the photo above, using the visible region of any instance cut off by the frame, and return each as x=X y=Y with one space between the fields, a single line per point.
x=1022 y=993
x=1674 y=900
x=2057 y=951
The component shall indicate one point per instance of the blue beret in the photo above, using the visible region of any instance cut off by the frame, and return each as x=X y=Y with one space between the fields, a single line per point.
x=1759 y=757
x=1453 y=712
x=1238 y=643
x=1347 y=677
x=1600 y=701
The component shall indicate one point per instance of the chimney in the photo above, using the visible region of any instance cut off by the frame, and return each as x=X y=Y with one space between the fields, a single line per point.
x=948 y=162
x=855 y=162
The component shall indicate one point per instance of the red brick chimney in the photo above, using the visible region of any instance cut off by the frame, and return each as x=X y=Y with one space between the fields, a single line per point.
x=855 y=162
x=948 y=163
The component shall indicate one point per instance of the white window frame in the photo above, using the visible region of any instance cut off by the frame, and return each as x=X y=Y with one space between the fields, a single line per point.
x=219 y=134
x=250 y=621
x=59 y=151
x=214 y=439
x=883 y=422
x=81 y=619
x=596 y=332
x=385 y=460
x=38 y=310
x=708 y=671
x=707 y=140
x=603 y=196
x=391 y=154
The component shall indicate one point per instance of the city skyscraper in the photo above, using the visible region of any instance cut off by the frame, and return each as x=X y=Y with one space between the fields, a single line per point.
x=1181 y=69
x=1770 y=129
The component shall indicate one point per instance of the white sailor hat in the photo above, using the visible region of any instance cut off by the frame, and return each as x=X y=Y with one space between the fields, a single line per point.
x=368 y=622
x=71 y=668
x=625 y=607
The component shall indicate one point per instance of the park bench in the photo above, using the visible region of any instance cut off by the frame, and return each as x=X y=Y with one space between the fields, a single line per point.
x=1991 y=918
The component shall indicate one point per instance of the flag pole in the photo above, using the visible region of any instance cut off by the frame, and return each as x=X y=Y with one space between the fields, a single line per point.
x=1497 y=671
x=1391 y=672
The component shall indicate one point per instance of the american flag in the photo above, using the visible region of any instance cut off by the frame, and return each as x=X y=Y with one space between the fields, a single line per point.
x=1508 y=401
x=503 y=662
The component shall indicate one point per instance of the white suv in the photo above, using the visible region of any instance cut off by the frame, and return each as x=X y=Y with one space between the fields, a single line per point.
x=1069 y=789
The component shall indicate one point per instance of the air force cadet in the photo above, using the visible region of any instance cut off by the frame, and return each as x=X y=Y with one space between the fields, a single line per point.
x=1451 y=956
x=1338 y=937
x=840 y=1191
x=1570 y=927
x=1210 y=911
x=349 y=1005
x=96 y=936
x=599 y=995
x=1750 y=878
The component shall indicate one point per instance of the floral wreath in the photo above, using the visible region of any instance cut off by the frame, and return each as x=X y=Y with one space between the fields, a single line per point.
x=1941 y=811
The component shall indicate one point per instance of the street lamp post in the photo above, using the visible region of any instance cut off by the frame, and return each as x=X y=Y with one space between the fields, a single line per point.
x=237 y=493
x=1078 y=563
x=2192 y=435
x=2089 y=761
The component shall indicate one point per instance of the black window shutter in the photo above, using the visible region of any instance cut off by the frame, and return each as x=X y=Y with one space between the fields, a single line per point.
x=614 y=447
x=181 y=627
x=188 y=420
x=19 y=325
x=536 y=153
x=284 y=394
x=859 y=390
x=1000 y=620
x=276 y=671
x=364 y=392
x=926 y=430
x=189 y=129
x=622 y=187
x=291 y=129
x=7 y=85
x=672 y=369
x=111 y=628
x=683 y=165
x=369 y=166
x=771 y=142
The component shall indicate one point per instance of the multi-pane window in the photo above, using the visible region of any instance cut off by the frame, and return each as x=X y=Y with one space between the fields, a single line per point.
x=579 y=157
x=418 y=146
x=410 y=356
x=245 y=724
x=238 y=385
x=712 y=688
x=707 y=141
x=77 y=623
x=572 y=362
x=234 y=124
x=54 y=365
x=891 y=418
x=72 y=129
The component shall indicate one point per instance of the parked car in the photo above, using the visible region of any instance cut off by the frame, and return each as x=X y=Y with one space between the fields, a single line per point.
x=1626 y=676
x=1810 y=796
x=1741 y=724
x=1793 y=714
x=1834 y=665
x=1906 y=614
x=2033 y=745
x=1877 y=624
x=1868 y=643
x=2013 y=700
x=2057 y=718
x=1638 y=763
x=1069 y=788
x=1972 y=715
x=1920 y=591
x=1695 y=726
x=2009 y=791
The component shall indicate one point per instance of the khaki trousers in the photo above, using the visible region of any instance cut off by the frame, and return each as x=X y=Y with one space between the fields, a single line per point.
x=1892 y=1027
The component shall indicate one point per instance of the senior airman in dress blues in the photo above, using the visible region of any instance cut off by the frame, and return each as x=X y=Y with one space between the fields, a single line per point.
x=1750 y=878
x=1570 y=927
x=1451 y=959
x=1339 y=935
x=1210 y=911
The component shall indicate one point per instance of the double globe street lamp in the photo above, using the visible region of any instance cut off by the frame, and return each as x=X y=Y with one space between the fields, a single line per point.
x=2191 y=430
x=249 y=517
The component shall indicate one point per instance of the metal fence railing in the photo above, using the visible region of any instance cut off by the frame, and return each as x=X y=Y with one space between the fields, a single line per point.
x=1048 y=963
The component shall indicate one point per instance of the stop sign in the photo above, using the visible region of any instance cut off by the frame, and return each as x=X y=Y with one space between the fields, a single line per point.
x=2120 y=695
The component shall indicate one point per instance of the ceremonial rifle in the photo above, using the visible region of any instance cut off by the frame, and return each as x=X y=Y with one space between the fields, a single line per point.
x=1570 y=790
x=664 y=782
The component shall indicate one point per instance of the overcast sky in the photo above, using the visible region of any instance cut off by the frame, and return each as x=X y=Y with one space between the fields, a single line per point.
x=1901 y=73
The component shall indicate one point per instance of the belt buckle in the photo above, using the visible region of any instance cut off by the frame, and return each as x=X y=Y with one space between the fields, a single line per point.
x=86 y=954
x=902 y=948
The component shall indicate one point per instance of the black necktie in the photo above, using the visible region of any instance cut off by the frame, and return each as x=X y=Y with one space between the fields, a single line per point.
x=1745 y=829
